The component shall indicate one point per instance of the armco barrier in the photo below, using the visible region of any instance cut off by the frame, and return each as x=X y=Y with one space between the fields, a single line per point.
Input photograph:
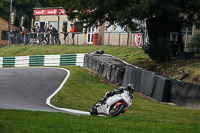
x=8 y=62
x=185 y=94
x=42 y=60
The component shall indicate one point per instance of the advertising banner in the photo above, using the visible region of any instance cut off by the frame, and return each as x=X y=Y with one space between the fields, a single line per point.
x=32 y=22
x=138 y=39
x=12 y=18
x=46 y=12
x=21 y=22
x=61 y=12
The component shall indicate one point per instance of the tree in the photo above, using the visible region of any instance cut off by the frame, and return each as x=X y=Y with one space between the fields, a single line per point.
x=22 y=7
x=163 y=16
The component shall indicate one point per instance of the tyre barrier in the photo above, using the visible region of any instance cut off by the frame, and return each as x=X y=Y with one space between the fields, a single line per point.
x=185 y=94
x=106 y=66
x=132 y=76
x=42 y=60
x=146 y=86
x=161 y=87
x=148 y=83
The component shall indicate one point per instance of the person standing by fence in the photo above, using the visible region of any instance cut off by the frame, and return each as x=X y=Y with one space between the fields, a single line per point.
x=142 y=30
x=12 y=36
x=24 y=35
x=73 y=30
x=64 y=31
x=46 y=35
x=38 y=34
x=54 y=33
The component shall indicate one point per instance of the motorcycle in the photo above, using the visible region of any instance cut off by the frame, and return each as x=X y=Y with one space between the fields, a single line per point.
x=114 y=103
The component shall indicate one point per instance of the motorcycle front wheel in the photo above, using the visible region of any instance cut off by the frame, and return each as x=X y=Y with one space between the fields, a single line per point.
x=93 y=110
x=115 y=111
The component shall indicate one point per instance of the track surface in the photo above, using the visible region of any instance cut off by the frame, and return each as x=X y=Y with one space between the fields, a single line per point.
x=29 y=88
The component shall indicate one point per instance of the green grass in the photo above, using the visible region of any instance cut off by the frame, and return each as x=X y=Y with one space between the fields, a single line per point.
x=82 y=90
x=193 y=67
x=129 y=54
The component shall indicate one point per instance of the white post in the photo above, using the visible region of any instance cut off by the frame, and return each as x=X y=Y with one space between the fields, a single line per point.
x=186 y=38
x=10 y=5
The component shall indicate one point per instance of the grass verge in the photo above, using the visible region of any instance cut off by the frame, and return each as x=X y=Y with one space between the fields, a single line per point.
x=80 y=92
x=129 y=54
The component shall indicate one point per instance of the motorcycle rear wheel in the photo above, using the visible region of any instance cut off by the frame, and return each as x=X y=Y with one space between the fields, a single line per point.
x=117 y=111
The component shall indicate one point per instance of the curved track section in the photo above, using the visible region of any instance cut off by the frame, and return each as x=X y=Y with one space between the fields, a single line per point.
x=32 y=89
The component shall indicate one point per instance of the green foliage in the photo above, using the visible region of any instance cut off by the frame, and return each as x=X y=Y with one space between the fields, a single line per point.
x=171 y=15
x=123 y=11
x=158 y=52
x=194 y=44
x=23 y=7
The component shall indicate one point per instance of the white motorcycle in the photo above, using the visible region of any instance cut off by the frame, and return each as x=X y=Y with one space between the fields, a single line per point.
x=114 y=103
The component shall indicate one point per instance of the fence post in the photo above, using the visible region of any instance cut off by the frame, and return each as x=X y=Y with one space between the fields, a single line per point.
x=109 y=39
x=127 y=38
x=131 y=39
x=186 y=38
x=77 y=38
x=119 y=38
x=68 y=39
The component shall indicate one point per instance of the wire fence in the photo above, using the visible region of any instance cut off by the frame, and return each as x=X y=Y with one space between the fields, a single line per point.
x=104 y=39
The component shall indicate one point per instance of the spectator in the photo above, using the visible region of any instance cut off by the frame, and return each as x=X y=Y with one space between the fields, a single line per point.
x=142 y=29
x=17 y=36
x=24 y=33
x=38 y=31
x=12 y=36
x=64 y=31
x=46 y=35
x=54 y=34
x=50 y=26
x=32 y=36
x=73 y=30
x=20 y=35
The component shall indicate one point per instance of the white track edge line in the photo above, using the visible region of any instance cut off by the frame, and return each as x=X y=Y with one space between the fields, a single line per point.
x=71 y=111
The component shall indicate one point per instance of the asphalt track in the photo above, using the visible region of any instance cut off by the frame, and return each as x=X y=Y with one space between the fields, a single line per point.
x=32 y=89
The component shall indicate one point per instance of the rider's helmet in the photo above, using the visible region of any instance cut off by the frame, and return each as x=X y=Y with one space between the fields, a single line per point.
x=130 y=88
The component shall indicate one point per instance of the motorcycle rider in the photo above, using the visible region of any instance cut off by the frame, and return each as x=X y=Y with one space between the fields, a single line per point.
x=120 y=90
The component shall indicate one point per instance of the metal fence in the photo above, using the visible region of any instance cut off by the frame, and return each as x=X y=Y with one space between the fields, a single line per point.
x=104 y=39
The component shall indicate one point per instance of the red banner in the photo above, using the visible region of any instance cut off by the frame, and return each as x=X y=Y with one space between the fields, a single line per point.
x=49 y=12
x=138 y=39
x=61 y=12
x=56 y=11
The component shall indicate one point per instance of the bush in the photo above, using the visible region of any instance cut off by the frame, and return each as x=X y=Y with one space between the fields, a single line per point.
x=194 y=44
x=159 y=52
